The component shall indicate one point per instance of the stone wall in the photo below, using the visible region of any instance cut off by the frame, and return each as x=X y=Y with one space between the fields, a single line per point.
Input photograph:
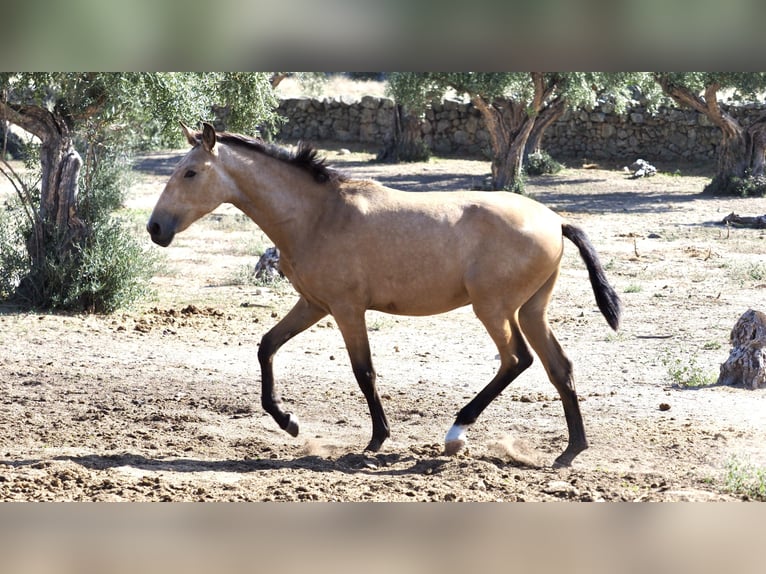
x=369 y=120
x=452 y=127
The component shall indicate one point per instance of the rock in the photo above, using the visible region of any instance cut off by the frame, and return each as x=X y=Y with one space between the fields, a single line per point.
x=267 y=266
x=751 y=326
x=756 y=222
x=746 y=365
x=641 y=168
x=561 y=488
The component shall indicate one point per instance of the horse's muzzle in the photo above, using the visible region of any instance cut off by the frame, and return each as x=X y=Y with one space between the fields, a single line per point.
x=159 y=235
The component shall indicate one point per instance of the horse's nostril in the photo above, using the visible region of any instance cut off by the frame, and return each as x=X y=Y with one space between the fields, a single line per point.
x=153 y=228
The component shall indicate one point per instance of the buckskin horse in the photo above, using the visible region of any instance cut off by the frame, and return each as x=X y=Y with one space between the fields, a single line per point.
x=349 y=245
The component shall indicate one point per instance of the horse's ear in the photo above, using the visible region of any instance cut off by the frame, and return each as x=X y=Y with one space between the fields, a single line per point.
x=208 y=136
x=190 y=136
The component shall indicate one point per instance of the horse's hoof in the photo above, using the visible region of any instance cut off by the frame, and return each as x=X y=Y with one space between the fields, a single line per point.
x=373 y=446
x=292 y=425
x=455 y=440
x=453 y=447
x=564 y=460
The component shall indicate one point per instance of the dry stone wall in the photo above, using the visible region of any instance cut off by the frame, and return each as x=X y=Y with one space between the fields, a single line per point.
x=452 y=127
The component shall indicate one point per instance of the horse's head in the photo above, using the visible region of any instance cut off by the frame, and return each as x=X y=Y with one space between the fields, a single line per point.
x=197 y=186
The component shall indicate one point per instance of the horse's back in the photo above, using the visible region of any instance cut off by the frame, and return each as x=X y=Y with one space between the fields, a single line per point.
x=429 y=241
x=511 y=208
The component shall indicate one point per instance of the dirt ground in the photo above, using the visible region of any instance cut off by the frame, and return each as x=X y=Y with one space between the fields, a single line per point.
x=162 y=402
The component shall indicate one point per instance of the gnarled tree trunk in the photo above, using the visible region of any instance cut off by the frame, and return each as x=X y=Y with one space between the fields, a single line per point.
x=742 y=153
x=407 y=143
x=510 y=125
x=548 y=115
x=56 y=224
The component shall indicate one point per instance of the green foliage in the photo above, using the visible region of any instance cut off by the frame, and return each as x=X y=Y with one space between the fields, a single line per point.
x=148 y=106
x=248 y=98
x=744 y=478
x=14 y=260
x=106 y=269
x=541 y=163
x=732 y=185
x=743 y=86
x=687 y=373
x=581 y=89
x=98 y=264
x=756 y=271
x=245 y=275
x=509 y=100
x=519 y=185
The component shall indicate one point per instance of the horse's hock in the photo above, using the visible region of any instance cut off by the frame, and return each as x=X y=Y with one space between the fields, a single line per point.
x=746 y=365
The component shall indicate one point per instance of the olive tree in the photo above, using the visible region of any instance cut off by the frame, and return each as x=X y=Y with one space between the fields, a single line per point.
x=742 y=153
x=69 y=112
x=516 y=106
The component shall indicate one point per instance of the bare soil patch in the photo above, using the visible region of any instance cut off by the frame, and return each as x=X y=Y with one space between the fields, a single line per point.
x=162 y=402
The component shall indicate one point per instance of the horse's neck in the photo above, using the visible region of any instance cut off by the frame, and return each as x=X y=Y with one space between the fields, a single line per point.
x=277 y=197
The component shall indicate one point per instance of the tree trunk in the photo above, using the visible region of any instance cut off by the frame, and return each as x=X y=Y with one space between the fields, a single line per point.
x=276 y=79
x=547 y=116
x=741 y=160
x=57 y=225
x=407 y=143
x=756 y=147
x=509 y=126
x=742 y=153
x=58 y=195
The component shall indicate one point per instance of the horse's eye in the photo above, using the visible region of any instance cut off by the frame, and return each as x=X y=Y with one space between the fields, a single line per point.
x=190 y=173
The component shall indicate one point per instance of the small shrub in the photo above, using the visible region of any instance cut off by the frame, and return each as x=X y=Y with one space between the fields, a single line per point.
x=687 y=374
x=403 y=152
x=13 y=255
x=747 y=186
x=246 y=275
x=744 y=478
x=756 y=271
x=743 y=272
x=519 y=185
x=113 y=270
x=102 y=270
x=107 y=270
x=541 y=163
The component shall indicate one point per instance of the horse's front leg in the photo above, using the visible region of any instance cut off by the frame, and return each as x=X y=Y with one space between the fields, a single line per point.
x=302 y=316
x=352 y=326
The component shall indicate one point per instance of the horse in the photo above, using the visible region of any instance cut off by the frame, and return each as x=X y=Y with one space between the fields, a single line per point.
x=351 y=245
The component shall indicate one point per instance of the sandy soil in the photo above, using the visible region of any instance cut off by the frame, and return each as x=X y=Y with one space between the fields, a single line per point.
x=162 y=402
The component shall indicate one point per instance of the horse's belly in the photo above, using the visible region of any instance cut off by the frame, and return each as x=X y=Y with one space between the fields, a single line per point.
x=419 y=298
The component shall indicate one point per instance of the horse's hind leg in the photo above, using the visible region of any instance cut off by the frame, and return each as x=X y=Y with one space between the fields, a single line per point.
x=534 y=323
x=515 y=358
x=300 y=318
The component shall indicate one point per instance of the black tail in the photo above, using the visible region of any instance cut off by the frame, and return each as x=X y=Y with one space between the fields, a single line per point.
x=606 y=297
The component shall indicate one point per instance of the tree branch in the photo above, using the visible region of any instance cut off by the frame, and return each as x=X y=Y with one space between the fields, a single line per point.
x=34 y=119
x=707 y=105
x=491 y=120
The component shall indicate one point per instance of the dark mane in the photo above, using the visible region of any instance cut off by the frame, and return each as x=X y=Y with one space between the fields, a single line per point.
x=305 y=157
